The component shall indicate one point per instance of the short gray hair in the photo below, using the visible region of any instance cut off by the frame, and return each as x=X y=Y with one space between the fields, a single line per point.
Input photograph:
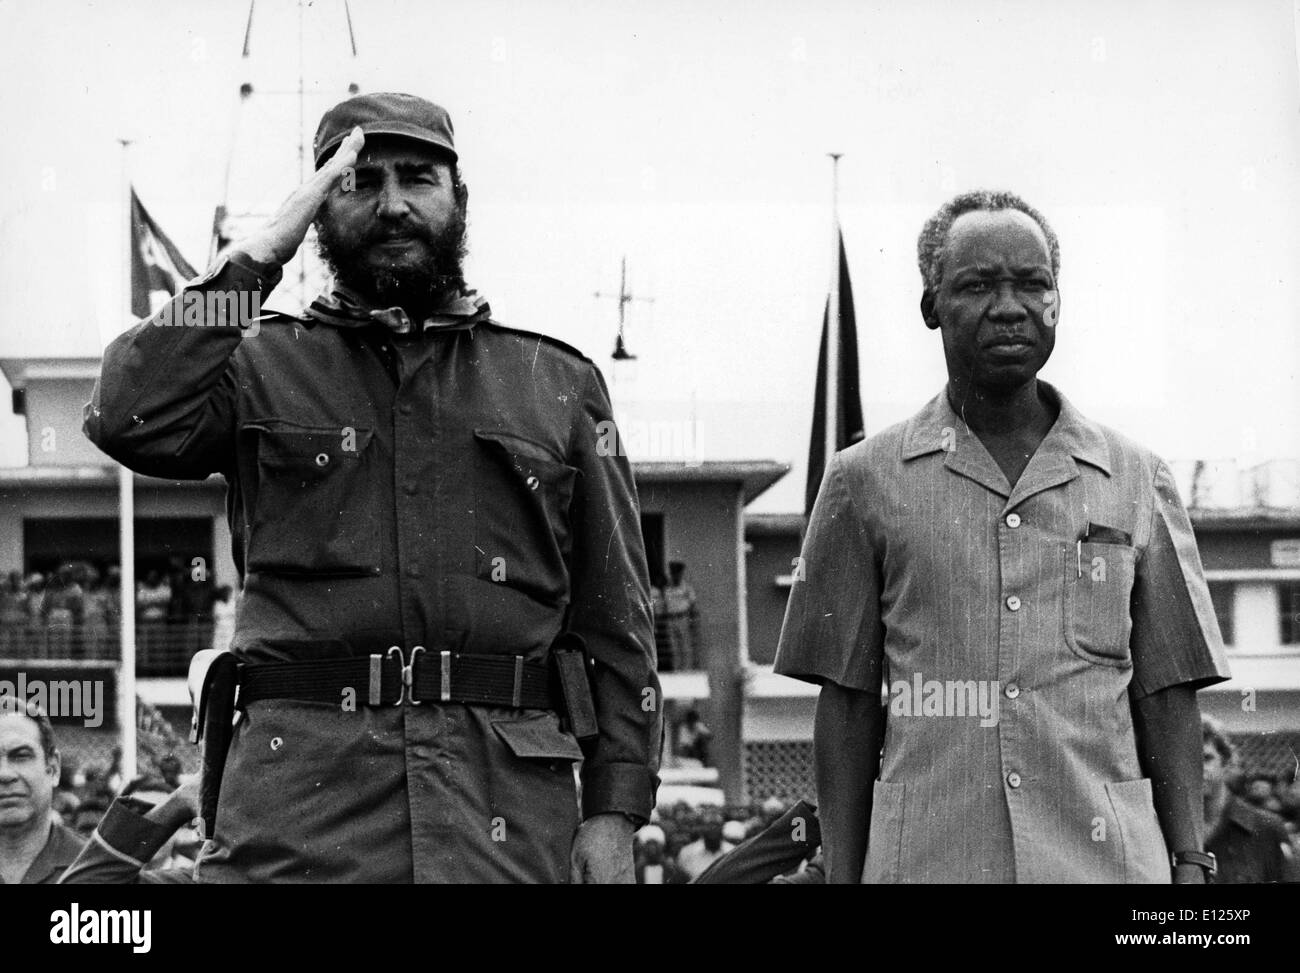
x=934 y=235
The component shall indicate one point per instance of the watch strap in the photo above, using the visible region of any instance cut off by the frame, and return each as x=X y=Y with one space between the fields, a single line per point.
x=1204 y=859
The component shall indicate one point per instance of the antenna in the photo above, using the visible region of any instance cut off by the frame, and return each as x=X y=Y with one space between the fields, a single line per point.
x=234 y=218
x=624 y=298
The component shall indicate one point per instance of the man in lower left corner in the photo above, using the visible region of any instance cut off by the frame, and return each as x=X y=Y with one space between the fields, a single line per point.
x=34 y=849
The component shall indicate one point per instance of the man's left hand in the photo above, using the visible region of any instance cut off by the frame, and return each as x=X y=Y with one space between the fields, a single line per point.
x=602 y=852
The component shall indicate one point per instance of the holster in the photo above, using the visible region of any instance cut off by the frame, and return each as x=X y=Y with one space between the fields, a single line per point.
x=569 y=657
x=213 y=684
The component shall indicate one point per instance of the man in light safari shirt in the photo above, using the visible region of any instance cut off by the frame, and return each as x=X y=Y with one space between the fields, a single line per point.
x=1025 y=584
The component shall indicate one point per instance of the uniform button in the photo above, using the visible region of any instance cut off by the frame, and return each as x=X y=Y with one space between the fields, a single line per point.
x=1013 y=603
x=322 y=459
x=533 y=483
x=413 y=571
x=410 y=489
x=1013 y=520
x=1013 y=779
x=1012 y=690
x=404 y=409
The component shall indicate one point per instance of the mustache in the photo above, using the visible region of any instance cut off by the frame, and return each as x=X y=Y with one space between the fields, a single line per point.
x=388 y=234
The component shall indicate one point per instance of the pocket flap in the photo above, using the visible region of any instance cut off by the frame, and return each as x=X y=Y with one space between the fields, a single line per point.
x=530 y=462
x=317 y=448
x=537 y=736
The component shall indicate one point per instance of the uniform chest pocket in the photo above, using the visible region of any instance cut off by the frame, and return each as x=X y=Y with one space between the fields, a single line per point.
x=310 y=514
x=521 y=516
x=1098 y=586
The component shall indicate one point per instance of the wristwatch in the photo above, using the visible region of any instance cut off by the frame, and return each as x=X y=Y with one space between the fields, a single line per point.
x=1205 y=859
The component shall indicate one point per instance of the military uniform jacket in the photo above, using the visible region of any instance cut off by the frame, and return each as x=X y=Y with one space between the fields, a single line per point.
x=1012 y=628
x=446 y=490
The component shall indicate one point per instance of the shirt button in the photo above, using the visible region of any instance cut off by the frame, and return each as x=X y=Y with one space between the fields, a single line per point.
x=533 y=483
x=1013 y=779
x=404 y=408
x=322 y=459
x=1013 y=603
x=1012 y=690
x=413 y=571
x=1013 y=520
x=410 y=489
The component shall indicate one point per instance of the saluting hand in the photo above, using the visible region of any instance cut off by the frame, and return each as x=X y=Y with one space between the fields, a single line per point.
x=283 y=234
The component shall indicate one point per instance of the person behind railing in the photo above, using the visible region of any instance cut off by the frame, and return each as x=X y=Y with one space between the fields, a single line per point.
x=34 y=604
x=63 y=610
x=682 y=618
x=13 y=616
x=95 y=607
x=112 y=592
x=658 y=610
x=152 y=597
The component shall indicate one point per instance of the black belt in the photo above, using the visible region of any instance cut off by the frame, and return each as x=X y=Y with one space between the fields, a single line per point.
x=388 y=680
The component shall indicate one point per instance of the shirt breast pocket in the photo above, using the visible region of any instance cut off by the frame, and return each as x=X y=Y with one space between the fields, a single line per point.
x=521 y=516
x=1098 y=586
x=310 y=514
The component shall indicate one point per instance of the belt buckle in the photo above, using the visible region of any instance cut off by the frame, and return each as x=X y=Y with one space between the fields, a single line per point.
x=408 y=679
x=401 y=685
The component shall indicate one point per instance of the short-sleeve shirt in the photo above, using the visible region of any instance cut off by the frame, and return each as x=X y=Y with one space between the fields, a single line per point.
x=1011 y=626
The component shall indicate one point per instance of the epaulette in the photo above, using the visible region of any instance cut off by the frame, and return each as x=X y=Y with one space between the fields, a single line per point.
x=550 y=340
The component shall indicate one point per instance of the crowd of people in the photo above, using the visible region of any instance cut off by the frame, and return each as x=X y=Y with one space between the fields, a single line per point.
x=70 y=612
x=681 y=842
x=74 y=611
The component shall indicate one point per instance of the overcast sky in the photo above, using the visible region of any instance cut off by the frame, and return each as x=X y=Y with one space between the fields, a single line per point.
x=1162 y=139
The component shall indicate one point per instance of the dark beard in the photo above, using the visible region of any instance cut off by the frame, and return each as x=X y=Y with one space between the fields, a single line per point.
x=418 y=289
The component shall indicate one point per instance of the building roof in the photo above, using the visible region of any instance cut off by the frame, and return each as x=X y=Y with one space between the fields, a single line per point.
x=774 y=525
x=1245 y=518
x=56 y=477
x=755 y=476
x=19 y=371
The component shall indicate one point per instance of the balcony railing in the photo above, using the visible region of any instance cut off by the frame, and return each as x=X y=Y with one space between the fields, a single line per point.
x=162 y=649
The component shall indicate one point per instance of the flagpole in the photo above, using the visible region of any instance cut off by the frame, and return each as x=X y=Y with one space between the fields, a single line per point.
x=126 y=523
x=832 y=401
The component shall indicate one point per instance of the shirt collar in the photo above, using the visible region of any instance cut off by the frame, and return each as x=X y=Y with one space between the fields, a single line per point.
x=61 y=850
x=345 y=308
x=937 y=428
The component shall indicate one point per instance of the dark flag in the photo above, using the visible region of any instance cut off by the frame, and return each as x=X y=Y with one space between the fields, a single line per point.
x=156 y=265
x=220 y=237
x=849 y=427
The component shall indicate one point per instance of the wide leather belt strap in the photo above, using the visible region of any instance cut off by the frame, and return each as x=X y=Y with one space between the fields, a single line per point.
x=389 y=680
